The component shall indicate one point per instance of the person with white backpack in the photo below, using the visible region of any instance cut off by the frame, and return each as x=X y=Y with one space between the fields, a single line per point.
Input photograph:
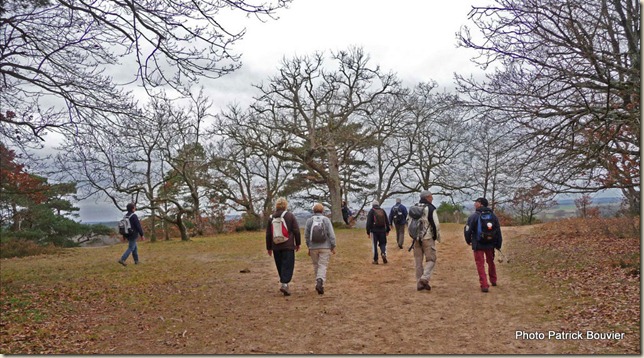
x=320 y=240
x=282 y=241
x=131 y=229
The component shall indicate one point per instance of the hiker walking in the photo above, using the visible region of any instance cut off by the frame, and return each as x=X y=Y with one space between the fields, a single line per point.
x=398 y=218
x=424 y=245
x=378 y=229
x=320 y=240
x=282 y=241
x=483 y=233
x=346 y=212
x=132 y=234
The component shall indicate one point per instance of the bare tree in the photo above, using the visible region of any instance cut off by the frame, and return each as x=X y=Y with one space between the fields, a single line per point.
x=439 y=142
x=244 y=161
x=568 y=77
x=495 y=165
x=319 y=111
x=58 y=57
x=152 y=159
x=529 y=201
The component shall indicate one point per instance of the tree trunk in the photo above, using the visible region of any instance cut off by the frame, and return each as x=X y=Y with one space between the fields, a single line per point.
x=335 y=190
x=153 y=224
x=182 y=227
x=633 y=200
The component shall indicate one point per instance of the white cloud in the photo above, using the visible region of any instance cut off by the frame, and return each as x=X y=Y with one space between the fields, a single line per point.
x=414 y=38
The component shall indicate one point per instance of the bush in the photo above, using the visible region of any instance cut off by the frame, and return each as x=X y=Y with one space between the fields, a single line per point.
x=23 y=248
x=251 y=222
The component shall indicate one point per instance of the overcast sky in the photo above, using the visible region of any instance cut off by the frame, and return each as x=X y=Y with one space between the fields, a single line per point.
x=416 y=39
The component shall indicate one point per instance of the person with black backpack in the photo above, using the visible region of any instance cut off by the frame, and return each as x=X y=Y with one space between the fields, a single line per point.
x=483 y=233
x=398 y=218
x=131 y=234
x=377 y=230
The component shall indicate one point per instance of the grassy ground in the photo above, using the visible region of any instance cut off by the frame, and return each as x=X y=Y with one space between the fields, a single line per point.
x=219 y=295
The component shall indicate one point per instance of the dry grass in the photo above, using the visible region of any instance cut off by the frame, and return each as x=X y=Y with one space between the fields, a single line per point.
x=193 y=298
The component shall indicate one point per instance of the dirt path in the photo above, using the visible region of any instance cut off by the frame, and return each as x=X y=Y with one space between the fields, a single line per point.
x=367 y=309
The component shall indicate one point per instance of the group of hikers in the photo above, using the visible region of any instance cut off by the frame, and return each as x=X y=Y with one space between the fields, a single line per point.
x=283 y=239
x=482 y=232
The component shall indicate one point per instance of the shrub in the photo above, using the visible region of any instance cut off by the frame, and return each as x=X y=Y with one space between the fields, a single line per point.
x=22 y=248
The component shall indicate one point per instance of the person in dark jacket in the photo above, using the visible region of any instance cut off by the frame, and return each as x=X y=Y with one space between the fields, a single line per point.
x=284 y=253
x=398 y=218
x=377 y=229
x=483 y=252
x=137 y=231
x=346 y=212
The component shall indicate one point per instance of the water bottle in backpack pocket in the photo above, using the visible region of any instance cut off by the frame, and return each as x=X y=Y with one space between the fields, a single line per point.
x=486 y=227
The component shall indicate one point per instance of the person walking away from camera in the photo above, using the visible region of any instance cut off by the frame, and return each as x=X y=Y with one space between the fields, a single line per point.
x=425 y=248
x=320 y=240
x=133 y=236
x=398 y=218
x=346 y=212
x=282 y=241
x=377 y=229
x=483 y=233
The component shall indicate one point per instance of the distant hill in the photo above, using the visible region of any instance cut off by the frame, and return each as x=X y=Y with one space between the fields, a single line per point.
x=111 y=224
x=595 y=201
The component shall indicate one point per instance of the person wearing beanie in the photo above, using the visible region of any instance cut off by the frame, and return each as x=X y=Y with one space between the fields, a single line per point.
x=425 y=247
x=483 y=233
x=377 y=230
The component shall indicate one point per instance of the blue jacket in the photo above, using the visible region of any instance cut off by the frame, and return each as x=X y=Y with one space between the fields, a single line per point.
x=403 y=211
x=472 y=227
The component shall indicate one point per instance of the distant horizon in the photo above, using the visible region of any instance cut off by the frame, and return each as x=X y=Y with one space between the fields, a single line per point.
x=563 y=202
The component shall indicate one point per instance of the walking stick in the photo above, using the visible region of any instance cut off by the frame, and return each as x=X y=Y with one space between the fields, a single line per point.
x=504 y=257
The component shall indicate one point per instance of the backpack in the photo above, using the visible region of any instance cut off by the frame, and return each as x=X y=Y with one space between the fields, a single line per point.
x=486 y=227
x=418 y=223
x=379 y=218
x=125 y=227
x=279 y=229
x=399 y=219
x=318 y=229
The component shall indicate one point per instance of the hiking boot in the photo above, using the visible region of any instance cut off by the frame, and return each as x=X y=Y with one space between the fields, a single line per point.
x=384 y=258
x=122 y=262
x=137 y=262
x=420 y=286
x=485 y=289
x=400 y=246
x=494 y=284
x=425 y=284
x=284 y=289
x=375 y=262
x=319 y=286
